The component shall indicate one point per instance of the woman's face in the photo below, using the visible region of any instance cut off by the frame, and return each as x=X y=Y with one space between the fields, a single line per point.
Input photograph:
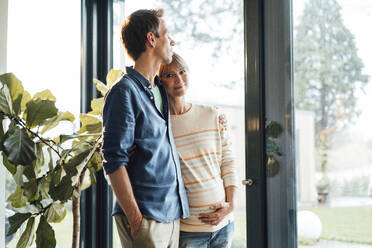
x=175 y=81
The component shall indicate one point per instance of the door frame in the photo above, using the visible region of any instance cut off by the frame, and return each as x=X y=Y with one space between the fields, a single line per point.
x=270 y=201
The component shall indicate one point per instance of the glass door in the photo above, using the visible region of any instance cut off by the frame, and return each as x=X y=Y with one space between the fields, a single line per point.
x=333 y=92
x=43 y=51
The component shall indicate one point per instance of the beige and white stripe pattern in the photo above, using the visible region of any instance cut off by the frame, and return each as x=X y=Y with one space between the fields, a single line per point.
x=207 y=162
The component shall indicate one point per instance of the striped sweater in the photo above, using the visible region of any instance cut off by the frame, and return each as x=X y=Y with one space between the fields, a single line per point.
x=207 y=163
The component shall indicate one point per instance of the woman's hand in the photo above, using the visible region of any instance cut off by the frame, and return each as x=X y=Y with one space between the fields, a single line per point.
x=222 y=120
x=221 y=210
x=132 y=150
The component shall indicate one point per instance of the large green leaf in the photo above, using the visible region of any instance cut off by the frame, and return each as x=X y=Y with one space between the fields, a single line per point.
x=101 y=87
x=62 y=138
x=79 y=146
x=37 y=111
x=91 y=128
x=56 y=176
x=113 y=76
x=50 y=164
x=92 y=178
x=40 y=158
x=43 y=186
x=40 y=153
x=67 y=116
x=27 y=235
x=15 y=88
x=56 y=212
x=88 y=180
x=29 y=171
x=63 y=191
x=45 y=237
x=6 y=104
x=97 y=106
x=18 y=176
x=11 y=167
x=84 y=163
x=44 y=95
x=17 y=199
x=18 y=147
x=95 y=163
x=53 y=122
x=87 y=119
x=1 y=128
x=90 y=124
x=30 y=189
x=16 y=221
x=70 y=166
x=22 y=171
x=26 y=97
x=10 y=131
x=17 y=105
x=13 y=83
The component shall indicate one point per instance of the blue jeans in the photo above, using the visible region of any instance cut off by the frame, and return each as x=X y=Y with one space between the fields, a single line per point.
x=218 y=239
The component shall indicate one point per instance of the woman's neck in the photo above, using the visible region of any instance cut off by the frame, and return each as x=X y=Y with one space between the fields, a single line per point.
x=178 y=105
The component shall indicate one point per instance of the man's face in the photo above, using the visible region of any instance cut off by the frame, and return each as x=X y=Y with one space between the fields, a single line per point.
x=164 y=43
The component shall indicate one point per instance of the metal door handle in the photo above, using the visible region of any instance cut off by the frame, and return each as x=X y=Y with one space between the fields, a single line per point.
x=248 y=182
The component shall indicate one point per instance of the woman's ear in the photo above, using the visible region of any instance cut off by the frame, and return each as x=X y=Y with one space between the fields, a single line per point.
x=151 y=39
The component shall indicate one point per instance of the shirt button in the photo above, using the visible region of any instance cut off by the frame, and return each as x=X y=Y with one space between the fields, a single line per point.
x=151 y=97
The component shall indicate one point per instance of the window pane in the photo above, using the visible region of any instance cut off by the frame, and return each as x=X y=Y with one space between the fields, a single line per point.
x=119 y=63
x=214 y=52
x=333 y=93
x=119 y=16
x=44 y=53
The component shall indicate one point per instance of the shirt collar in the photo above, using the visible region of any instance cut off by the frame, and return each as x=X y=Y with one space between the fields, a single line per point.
x=144 y=82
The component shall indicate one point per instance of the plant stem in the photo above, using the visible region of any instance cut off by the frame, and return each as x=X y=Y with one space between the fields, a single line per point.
x=23 y=124
x=76 y=213
x=76 y=202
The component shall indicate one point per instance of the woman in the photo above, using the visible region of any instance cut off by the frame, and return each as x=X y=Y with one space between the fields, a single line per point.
x=207 y=164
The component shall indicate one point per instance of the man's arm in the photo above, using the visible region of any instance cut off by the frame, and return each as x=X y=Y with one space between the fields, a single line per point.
x=118 y=137
x=122 y=188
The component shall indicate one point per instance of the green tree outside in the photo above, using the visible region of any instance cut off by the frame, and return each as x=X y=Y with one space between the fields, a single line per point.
x=328 y=73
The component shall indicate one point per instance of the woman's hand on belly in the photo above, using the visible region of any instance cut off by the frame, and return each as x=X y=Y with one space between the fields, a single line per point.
x=220 y=211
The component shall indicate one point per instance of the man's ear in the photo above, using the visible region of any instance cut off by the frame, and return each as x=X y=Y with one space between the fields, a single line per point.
x=151 y=39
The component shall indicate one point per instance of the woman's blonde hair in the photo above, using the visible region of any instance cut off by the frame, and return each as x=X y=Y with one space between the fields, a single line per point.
x=177 y=60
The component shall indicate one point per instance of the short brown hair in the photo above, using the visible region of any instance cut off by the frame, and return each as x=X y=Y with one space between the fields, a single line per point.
x=177 y=60
x=135 y=28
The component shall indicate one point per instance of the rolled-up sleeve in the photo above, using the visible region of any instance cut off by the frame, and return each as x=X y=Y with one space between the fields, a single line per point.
x=118 y=128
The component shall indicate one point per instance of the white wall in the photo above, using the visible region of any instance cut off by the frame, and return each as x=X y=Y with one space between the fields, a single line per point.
x=305 y=126
x=3 y=58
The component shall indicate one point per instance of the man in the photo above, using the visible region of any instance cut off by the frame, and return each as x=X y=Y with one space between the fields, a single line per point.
x=150 y=193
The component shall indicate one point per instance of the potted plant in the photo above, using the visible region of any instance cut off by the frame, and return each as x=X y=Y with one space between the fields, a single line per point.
x=48 y=172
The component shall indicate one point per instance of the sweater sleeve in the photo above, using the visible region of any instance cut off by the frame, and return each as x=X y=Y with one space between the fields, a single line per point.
x=228 y=166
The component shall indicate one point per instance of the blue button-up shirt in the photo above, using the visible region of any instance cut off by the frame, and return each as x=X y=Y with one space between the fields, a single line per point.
x=130 y=117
